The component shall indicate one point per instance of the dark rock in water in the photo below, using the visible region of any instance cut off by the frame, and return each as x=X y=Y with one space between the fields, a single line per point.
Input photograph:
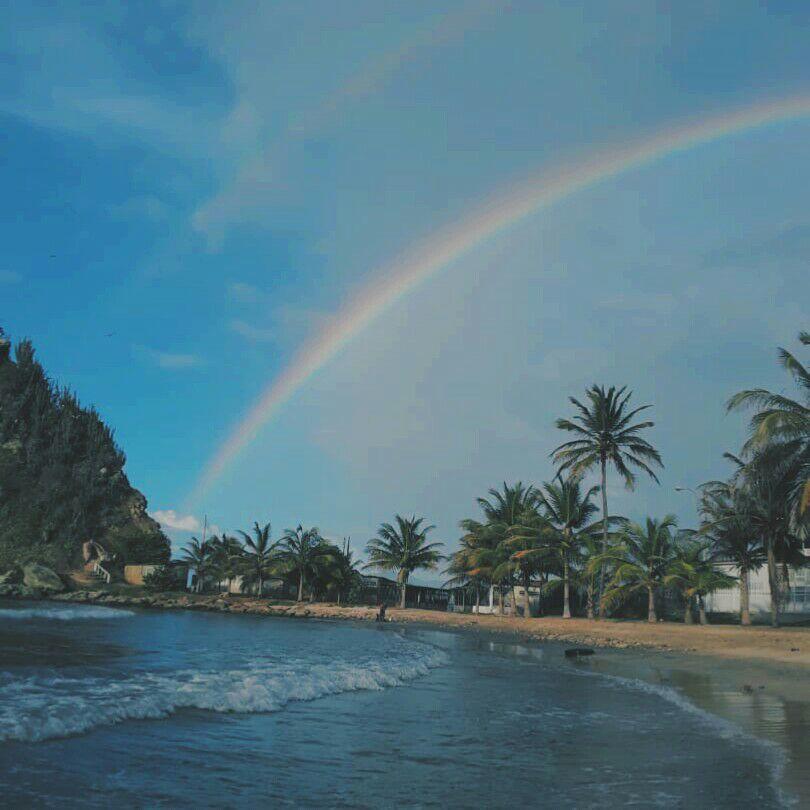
x=577 y=652
x=42 y=577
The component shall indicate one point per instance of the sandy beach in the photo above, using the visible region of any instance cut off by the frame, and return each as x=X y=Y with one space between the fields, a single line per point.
x=784 y=645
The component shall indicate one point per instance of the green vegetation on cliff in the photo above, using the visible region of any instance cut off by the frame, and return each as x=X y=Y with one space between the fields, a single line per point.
x=62 y=478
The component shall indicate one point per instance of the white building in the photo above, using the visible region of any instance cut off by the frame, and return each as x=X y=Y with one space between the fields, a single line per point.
x=491 y=601
x=797 y=599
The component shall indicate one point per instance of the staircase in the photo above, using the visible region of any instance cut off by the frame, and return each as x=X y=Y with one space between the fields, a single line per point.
x=100 y=573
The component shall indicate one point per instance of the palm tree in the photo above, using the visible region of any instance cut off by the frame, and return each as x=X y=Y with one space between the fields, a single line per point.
x=225 y=556
x=723 y=509
x=606 y=436
x=528 y=553
x=260 y=554
x=475 y=561
x=301 y=549
x=767 y=482
x=642 y=559
x=782 y=420
x=344 y=572
x=566 y=520
x=403 y=549
x=198 y=555
x=504 y=511
x=694 y=574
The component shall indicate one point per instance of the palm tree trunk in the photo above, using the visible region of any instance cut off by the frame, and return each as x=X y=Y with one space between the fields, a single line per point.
x=527 y=605
x=566 y=594
x=604 y=535
x=589 y=611
x=477 y=598
x=300 y=586
x=745 y=599
x=688 y=616
x=702 y=611
x=651 y=617
x=773 y=584
x=403 y=594
x=261 y=586
x=500 y=598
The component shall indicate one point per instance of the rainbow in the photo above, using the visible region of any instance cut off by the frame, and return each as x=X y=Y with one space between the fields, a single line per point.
x=397 y=279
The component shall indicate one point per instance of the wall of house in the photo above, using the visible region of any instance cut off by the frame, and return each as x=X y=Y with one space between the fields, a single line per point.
x=134 y=574
x=728 y=600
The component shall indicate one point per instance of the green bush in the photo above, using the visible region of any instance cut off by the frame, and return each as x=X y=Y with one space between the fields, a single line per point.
x=160 y=580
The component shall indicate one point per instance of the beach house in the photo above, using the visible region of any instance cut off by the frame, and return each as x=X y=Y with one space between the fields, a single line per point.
x=794 y=602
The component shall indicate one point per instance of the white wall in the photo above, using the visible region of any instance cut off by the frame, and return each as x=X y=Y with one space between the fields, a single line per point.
x=728 y=601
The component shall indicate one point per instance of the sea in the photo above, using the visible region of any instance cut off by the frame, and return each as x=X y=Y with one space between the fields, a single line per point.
x=106 y=707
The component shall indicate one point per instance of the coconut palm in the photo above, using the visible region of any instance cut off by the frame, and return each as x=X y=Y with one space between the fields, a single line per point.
x=782 y=420
x=606 y=435
x=566 y=520
x=259 y=555
x=527 y=554
x=344 y=573
x=694 y=574
x=198 y=556
x=476 y=560
x=504 y=511
x=403 y=548
x=641 y=558
x=301 y=550
x=226 y=556
x=723 y=509
x=767 y=483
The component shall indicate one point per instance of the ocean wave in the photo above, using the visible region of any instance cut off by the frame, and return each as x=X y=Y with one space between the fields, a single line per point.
x=772 y=753
x=65 y=614
x=37 y=708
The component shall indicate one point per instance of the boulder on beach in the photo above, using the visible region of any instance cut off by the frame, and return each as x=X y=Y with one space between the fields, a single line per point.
x=41 y=577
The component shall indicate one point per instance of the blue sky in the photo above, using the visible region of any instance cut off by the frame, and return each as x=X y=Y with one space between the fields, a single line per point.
x=188 y=190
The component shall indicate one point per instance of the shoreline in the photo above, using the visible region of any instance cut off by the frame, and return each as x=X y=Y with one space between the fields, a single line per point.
x=788 y=646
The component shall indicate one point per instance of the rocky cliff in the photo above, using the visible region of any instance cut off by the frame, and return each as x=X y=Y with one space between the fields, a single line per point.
x=62 y=478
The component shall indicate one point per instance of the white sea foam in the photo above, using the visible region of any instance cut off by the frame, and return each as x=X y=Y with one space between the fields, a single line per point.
x=37 y=708
x=66 y=614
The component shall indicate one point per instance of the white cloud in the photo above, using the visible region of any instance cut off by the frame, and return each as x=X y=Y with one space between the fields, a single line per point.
x=170 y=519
x=167 y=360
x=255 y=334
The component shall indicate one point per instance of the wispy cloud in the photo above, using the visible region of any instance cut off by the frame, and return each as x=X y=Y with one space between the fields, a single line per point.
x=258 y=176
x=255 y=334
x=167 y=360
x=246 y=293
